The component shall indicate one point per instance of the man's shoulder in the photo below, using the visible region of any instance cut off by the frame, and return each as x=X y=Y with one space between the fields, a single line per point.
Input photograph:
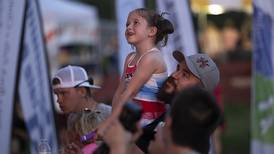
x=103 y=106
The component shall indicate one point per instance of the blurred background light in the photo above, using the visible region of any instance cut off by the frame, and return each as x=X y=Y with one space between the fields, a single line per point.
x=215 y=9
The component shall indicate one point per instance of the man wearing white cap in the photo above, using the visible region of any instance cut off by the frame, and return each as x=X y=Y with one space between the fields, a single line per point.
x=73 y=89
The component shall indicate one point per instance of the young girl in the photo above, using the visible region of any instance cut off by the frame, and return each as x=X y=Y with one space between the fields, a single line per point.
x=144 y=69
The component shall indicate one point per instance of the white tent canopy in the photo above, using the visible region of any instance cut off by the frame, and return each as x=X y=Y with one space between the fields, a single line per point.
x=69 y=22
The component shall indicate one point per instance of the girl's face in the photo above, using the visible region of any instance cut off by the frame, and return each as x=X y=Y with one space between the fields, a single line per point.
x=137 y=29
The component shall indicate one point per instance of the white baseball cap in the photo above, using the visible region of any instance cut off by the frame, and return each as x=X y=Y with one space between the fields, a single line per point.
x=72 y=77
x=202 y=66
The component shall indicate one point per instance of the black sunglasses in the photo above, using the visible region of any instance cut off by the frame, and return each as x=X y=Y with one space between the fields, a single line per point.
x=87 y=110
x=90 y=81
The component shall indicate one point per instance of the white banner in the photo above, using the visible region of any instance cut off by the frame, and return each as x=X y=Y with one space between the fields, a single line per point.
x=34 y=88
x=262 y=132
x=11 y=22
x=183 y=38
x=123 y=7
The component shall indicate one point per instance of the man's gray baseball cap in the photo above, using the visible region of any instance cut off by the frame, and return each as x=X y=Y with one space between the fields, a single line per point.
x=202 y=66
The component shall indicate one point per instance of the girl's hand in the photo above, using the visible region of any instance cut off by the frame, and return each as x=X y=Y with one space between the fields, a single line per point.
x=120 y=140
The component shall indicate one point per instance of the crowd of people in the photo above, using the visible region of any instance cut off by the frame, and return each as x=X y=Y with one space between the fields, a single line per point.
x=179 y=112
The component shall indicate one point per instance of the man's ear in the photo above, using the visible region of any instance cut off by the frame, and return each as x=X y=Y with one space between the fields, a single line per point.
x=152 y=31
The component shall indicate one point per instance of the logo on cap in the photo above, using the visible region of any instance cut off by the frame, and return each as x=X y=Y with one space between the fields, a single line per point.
x=203 y=62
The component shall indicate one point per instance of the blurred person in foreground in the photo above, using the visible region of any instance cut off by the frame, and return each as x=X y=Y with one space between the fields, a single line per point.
x=195 y=70
x=193 y=117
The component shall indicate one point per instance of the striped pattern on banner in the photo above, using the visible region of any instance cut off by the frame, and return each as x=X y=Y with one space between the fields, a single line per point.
x=11 y=24
x=34 y=88
x=262 y=118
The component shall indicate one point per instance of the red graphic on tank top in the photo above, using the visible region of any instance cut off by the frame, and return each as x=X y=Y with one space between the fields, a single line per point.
x=130 y=70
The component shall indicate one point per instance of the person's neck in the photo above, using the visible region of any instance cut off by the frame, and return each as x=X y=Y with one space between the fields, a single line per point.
x=175 y=149
x=141 y=49
x=88 y=103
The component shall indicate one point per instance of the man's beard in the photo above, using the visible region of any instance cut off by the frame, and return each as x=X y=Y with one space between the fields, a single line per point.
x=167 y=91
x=166 y=97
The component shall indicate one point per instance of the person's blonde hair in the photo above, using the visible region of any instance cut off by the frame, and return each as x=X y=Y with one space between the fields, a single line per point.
x=85 y=121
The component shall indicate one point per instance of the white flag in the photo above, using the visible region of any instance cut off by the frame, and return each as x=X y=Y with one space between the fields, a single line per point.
x=262 y=130
x=11 y=23
x=183 y=38
x=34 y=88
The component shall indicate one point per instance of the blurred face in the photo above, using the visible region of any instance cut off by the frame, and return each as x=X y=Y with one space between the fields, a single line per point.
x=161 y=140
x=67 y=99
x=184 y=78
x=137 y=29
